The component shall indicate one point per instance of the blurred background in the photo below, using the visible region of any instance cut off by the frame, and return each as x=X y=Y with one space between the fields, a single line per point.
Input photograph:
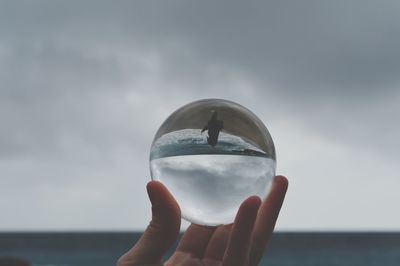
x=84 y=86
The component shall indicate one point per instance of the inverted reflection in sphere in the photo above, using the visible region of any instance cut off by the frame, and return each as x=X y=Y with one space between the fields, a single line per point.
x=212 y=154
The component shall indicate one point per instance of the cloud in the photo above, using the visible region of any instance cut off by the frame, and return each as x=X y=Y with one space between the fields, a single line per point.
x=210 y=188
x=84 y=87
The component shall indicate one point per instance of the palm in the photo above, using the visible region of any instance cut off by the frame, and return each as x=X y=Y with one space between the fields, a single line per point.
x=202 y=245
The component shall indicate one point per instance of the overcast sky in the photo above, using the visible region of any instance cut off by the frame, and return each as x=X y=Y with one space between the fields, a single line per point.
x=84 y=86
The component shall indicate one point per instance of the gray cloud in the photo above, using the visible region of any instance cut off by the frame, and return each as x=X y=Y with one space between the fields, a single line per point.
x=85 y=86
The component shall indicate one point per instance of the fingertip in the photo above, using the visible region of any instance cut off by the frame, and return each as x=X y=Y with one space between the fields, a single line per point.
x=252 y=201
x=153 y=185
x=281 y=181
x=249 y=208
x=151 y=188
x=158 y=193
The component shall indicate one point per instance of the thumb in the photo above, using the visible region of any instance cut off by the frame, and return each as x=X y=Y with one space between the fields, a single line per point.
x=161 y=232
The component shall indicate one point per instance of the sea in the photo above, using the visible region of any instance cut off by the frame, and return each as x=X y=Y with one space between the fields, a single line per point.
x=286 y=248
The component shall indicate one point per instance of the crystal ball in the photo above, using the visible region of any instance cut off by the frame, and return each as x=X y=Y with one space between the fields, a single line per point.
x=212 y=154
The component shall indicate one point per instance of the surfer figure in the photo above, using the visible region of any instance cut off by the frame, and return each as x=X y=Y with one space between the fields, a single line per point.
x=214 y=126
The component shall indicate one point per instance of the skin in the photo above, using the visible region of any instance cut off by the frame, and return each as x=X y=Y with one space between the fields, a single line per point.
x=239 y=244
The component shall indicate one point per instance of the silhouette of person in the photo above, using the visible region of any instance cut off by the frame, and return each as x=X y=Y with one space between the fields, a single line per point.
x=214 y=126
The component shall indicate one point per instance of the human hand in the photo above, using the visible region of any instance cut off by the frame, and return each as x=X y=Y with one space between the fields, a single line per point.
x=239 y=244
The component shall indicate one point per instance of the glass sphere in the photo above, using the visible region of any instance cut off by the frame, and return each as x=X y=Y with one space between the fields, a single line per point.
x=211 y=155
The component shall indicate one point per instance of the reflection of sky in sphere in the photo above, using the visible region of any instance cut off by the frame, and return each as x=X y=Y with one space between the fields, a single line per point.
x=209 y=188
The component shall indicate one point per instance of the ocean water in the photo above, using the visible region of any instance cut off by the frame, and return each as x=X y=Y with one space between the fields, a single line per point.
x=285 y=249
x=192 y=141
x=210 y=187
